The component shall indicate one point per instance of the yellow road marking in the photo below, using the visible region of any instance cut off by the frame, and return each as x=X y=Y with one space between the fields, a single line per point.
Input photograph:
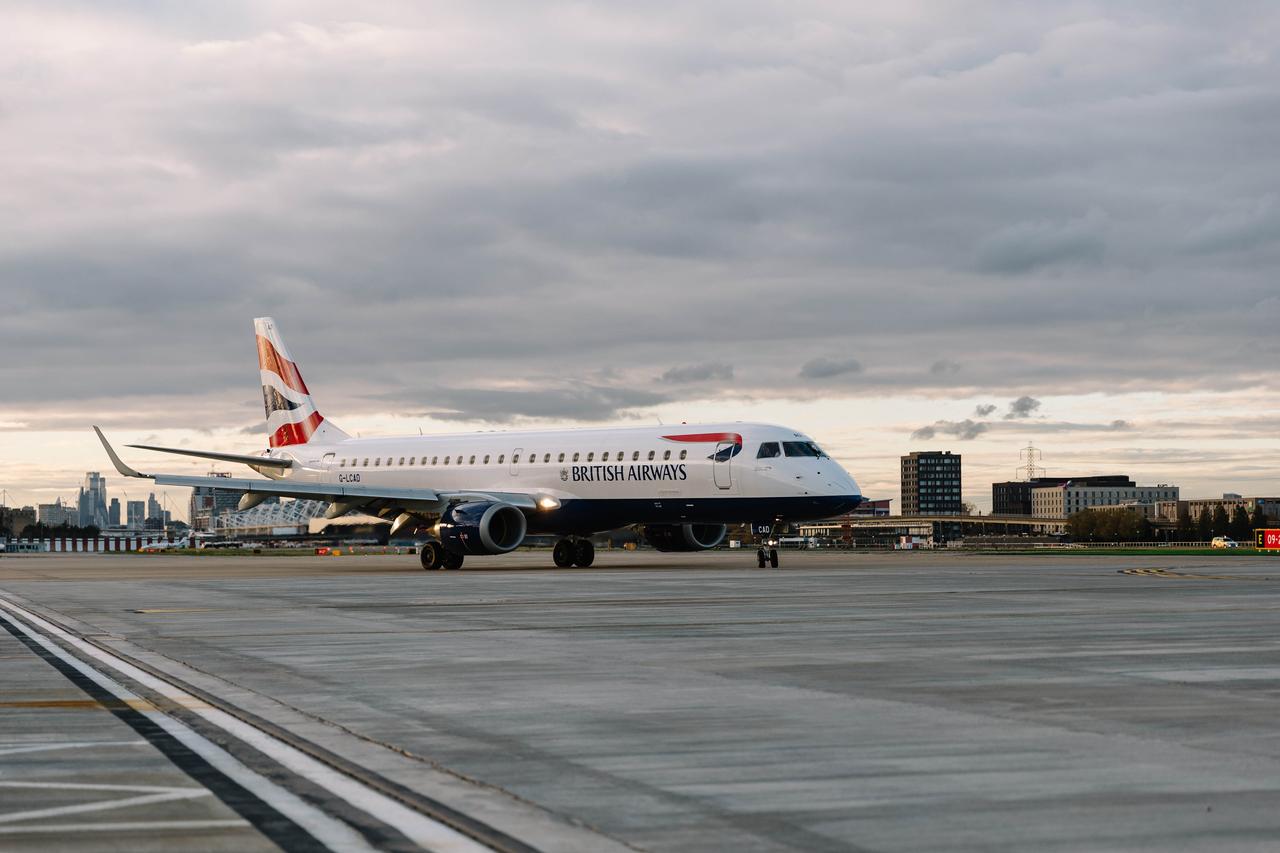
x=1172 y=575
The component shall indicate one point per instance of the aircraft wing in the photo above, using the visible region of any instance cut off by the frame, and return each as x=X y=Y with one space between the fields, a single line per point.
x=352 y=496
x=242 y=458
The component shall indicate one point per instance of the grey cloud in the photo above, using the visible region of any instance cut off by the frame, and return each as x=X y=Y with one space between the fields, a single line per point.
x=944 y=368
x=983 y=410
x=580 y=402
x=824 y=368
x=919 y=185
x=1023 y=407
x=1025 y=246
x=965 y=430
x=698 y=372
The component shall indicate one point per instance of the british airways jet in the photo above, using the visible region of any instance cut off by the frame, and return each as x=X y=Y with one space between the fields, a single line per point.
x=483 y=493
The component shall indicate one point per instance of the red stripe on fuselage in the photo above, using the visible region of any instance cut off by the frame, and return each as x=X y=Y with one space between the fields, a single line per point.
x=299 y=433
x=269 y=359
x=707 y=437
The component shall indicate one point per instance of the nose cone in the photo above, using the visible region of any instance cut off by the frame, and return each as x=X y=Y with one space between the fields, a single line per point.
x=839 y=481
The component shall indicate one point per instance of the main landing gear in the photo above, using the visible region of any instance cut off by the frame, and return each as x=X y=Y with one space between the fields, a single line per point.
x=435 y=556
x=771 y=557
x=573 y=552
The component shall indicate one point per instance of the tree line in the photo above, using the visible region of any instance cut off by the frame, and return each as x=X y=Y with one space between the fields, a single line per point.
x=1126 y=525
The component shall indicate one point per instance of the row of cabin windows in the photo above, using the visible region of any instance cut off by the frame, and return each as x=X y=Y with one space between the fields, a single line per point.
x=515 y=459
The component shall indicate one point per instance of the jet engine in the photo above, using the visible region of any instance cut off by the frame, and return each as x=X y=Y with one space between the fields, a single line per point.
x=482 y=527
x=684 y=537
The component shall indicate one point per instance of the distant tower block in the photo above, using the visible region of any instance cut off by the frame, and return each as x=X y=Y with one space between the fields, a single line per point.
x=1030 y=471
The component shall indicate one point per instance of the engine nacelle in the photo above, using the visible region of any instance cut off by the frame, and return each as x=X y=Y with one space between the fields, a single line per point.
x=482 y=527
x=684 y=537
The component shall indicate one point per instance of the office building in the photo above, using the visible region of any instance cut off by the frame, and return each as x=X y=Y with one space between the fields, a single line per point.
x=91 y=503
x=113 y=513
x=153 y=508
x=136 y=512
x=57 y=514
x=1270 y=506
x=1013 y=497
x=209 y=504
x=1066 y=499
x=931 y=483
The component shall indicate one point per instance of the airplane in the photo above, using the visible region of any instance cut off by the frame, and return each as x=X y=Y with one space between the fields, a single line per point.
x=482 y=493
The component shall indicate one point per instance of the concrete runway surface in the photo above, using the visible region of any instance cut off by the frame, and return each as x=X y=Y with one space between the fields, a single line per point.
x=887 y=702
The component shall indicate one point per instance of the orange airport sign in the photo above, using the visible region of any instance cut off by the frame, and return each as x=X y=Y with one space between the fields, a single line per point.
x=1269 y=539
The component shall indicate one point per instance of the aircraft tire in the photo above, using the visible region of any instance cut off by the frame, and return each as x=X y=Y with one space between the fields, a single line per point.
x=562 y=555
x=761 y=557
x=584 y=553
x=451 y=560
x=431 y=554
x=773 y=558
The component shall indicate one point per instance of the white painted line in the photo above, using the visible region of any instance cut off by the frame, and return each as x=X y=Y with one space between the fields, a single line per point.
x=419 y=828
x=127 y=826
x=88 y=744
x=329 y=831
x=96 y=786
x=105 y=805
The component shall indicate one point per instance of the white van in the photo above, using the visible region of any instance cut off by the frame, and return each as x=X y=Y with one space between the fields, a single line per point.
x=1224 y=542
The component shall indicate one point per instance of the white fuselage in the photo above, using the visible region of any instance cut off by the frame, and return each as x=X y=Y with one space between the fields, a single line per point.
x=604 y=477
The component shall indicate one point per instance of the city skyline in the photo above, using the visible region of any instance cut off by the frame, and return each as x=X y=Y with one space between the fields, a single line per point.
x=897 y=231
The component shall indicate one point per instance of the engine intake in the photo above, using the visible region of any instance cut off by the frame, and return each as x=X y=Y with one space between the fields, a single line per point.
x=482 y=527
x=684 y=537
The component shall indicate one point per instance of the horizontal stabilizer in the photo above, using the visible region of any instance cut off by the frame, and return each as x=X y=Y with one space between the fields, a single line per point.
x=243 y=458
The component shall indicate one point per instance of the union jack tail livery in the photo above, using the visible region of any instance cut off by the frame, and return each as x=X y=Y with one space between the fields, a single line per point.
x=292 y=417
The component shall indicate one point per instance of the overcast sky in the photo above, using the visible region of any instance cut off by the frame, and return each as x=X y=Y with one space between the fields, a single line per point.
x=896 y=226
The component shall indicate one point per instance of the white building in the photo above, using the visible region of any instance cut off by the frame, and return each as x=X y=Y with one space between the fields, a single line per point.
x=1065 y=500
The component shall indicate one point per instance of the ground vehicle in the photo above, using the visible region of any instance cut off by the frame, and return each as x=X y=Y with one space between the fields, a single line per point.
x=1224 y=542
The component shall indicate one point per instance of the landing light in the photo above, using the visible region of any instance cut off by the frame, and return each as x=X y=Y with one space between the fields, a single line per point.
x=549 y=503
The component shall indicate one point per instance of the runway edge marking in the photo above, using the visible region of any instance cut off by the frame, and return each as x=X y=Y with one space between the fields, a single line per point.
x=432 y=834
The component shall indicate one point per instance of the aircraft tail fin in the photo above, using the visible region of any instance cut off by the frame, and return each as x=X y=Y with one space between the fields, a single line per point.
x=292 y=416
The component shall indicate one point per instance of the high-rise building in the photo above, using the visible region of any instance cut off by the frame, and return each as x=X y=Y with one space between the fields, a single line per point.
x=931 y=483
x=209 y=504
x=1014 y=496
x=57 y=514
x=91 y=504
x=137 y=515
x=113 y=513
x=153 y=508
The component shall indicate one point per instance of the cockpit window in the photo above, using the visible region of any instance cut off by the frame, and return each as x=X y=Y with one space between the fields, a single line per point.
x=802 y=448
x=769 y=450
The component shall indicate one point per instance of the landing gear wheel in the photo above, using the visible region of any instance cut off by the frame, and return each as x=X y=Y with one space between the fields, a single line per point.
x=773 y=558
x=432 y=555
x=452 y=560
x=761 y=558
x=584 y=553
x=563 y=554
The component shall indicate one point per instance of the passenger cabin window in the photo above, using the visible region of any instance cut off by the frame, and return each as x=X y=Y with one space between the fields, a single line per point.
x=401 y=460
x=769 y=450
x=501 y=456
x=377 y=462
x=651 y=455
x=413 y=459
x=635 y=455
x=575 y=457
x=342 y=463
x=561 y=458
x=666 y=454
x=446 y=460
x=435 y=459
x=486 y=459
x=471 y=461
x=604 y=457
x=684 y=453
x=546 y=457
x=515 y=459
x=590 y=456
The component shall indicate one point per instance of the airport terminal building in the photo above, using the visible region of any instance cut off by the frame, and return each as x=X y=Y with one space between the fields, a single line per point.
x=1066 y=499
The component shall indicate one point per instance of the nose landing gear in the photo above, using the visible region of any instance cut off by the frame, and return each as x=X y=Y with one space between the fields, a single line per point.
x=770 y=557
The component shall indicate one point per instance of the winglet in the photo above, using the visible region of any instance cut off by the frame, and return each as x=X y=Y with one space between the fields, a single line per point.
x=124 y=469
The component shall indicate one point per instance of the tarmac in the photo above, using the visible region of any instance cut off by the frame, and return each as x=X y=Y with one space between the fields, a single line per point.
x=843 y=702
